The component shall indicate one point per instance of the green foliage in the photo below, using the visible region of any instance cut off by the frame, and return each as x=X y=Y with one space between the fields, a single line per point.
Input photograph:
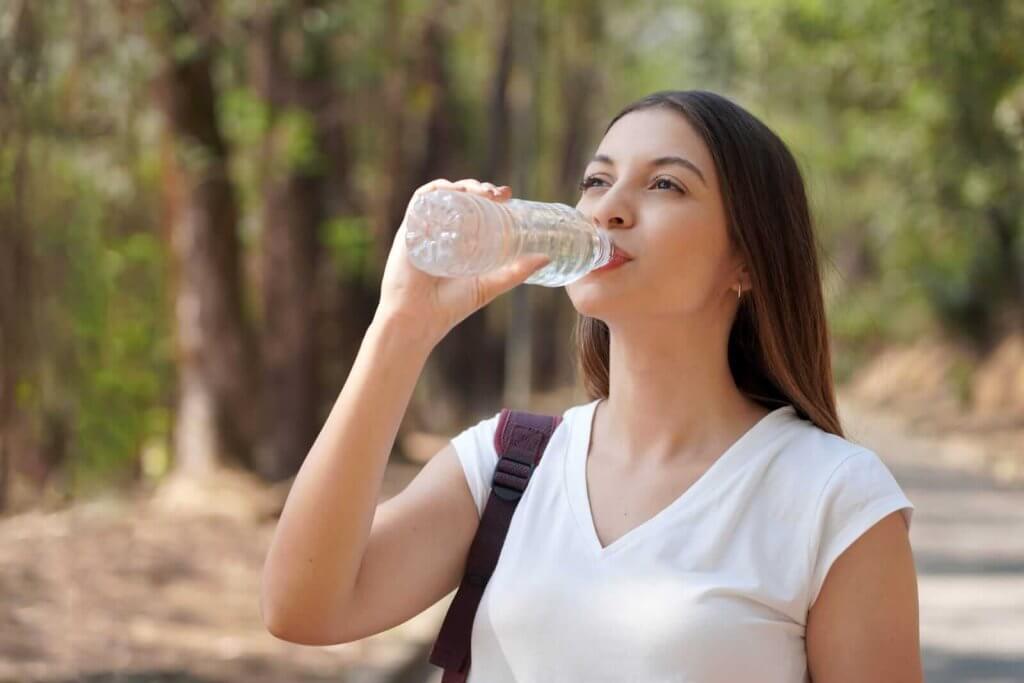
x=100 y=368
x=348 y=242
x=245 y=117
x=907 y=120
x=186 y=48
x=295 y=130
x=118 y=357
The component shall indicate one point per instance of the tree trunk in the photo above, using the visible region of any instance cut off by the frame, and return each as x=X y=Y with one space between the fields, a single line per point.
x=215 y=347
x=29 y=454
x=17 y=326
x=294 y=209
x=396 y=185
x=496 y=162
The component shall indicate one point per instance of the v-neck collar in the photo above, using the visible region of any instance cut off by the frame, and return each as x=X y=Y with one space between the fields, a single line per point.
x=719 y=470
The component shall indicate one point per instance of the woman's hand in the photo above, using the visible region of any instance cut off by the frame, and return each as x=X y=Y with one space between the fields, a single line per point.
x=433 y=305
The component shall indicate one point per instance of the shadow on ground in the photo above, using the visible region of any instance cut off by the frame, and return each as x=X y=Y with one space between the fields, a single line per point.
x=945 y=666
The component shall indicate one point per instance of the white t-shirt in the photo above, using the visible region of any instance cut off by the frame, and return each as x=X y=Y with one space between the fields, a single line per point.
x=715 y=588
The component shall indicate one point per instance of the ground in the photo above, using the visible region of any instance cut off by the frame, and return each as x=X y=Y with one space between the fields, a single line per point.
x=139 y=589
x=967 y=535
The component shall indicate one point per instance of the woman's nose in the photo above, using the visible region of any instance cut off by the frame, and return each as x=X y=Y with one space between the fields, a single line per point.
x=612 y=214
x=610 y=210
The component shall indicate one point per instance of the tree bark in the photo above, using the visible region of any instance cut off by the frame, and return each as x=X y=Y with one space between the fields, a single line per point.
x=496 y=162
x=29 y=454
x=215 y=346
x=16 y=328
x=294 y=210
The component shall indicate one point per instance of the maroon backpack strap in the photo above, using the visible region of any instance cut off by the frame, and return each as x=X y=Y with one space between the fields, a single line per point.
x=520 y=441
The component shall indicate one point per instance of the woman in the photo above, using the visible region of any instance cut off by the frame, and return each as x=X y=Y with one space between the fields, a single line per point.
x=701 y=519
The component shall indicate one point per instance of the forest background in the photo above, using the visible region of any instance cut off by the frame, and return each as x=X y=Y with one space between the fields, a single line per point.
x=197 y=199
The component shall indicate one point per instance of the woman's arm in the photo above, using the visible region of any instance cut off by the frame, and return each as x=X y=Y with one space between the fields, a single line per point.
x=318 y=546
x=313 y=565
x=864 y=624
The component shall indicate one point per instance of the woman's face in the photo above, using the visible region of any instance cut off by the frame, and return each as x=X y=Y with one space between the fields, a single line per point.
x=652 y=186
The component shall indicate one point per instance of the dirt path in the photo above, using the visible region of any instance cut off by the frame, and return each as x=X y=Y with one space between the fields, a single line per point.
x=124 y=591
x=131 y=591
x=968 y=540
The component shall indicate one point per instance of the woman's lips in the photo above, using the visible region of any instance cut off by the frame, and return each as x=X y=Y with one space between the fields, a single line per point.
x=620 y=252
x=619 y=258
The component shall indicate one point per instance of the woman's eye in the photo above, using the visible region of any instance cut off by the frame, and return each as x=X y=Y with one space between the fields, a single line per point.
x=660 y=183
x=668 y=184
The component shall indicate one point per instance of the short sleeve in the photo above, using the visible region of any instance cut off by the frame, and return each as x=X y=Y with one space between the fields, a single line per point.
x=859 y=493
x=475 y=448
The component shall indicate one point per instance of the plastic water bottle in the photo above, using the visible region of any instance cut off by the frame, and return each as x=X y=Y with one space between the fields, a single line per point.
x=456 y=234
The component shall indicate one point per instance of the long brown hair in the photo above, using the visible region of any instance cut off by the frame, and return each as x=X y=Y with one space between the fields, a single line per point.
x=779 y=345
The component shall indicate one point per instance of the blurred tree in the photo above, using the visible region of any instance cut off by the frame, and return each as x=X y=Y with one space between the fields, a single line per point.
x=291 y=67
x=91 y=379
x=297 y=130
x=18 y=296
x=972 y=59
x=495 y=163
x=216 y=417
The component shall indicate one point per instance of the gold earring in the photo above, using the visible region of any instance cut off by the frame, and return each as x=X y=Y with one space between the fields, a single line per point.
x=738 y=290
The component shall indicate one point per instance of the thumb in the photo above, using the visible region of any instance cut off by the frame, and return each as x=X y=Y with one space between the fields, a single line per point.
x=503 y=279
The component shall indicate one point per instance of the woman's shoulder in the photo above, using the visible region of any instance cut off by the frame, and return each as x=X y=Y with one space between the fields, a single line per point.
x=808 y=444
x=836 y=483
x=485 y=427
x=807 y=465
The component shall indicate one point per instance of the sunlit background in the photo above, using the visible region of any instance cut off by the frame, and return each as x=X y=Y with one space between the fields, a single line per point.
x=197 y=198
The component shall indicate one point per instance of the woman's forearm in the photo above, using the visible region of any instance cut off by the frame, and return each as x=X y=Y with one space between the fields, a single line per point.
x=318 y=546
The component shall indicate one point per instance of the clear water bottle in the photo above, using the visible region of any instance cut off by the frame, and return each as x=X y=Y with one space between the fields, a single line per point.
x=456 y=234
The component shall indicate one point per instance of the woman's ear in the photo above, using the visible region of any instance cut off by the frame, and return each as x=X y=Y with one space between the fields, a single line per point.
x=742 y=276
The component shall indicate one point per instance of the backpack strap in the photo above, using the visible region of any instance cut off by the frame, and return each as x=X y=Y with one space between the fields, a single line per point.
x=520 y=441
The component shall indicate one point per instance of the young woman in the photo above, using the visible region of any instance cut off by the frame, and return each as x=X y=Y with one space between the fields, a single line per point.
x=701 y=519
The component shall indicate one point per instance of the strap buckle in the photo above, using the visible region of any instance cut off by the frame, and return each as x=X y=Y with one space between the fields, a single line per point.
x=510 y=478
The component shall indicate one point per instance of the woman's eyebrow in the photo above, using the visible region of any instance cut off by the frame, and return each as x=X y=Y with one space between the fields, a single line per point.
x=660 y=161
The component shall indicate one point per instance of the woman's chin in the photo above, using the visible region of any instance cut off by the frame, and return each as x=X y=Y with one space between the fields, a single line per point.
x=595 y=302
